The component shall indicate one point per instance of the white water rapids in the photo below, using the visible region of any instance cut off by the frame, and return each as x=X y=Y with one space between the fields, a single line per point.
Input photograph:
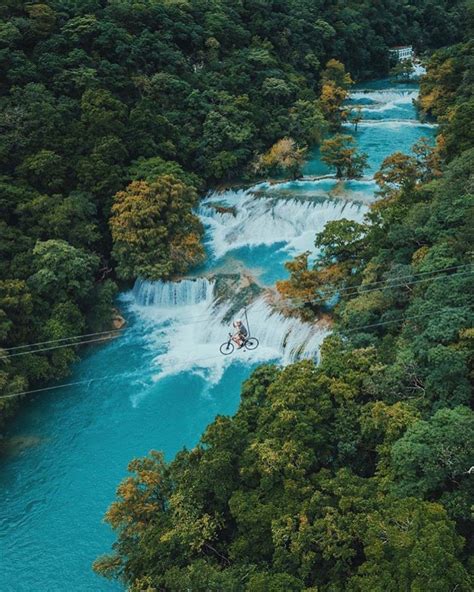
x=266 y=221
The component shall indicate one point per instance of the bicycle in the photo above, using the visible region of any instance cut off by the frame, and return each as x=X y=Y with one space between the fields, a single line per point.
x=228 y=347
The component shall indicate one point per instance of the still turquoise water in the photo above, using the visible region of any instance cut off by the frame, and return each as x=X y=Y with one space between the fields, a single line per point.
x=163 y=381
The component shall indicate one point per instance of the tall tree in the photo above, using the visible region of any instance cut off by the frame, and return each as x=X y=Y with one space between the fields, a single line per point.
x=340 y=153
x=154 y=231
x=334 y=92
x=284 y=157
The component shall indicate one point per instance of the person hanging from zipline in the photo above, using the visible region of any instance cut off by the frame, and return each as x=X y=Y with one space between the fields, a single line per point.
x=241 y=337
x=240 y=334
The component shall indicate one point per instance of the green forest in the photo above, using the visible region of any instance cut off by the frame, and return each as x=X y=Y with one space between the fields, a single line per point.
x=115 y=117
x=352 y=475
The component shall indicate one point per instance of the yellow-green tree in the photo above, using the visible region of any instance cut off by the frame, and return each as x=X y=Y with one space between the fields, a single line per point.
x=340 y=153
x=308 y=287
x=397 y=171
x=402 y=171
x=155 y=233
x=336 y=83
x=284 y=157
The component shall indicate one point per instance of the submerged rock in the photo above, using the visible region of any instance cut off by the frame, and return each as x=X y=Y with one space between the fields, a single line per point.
x=17 y=444
x=118 y=322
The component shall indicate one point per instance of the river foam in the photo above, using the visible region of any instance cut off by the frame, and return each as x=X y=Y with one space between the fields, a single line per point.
x=187 y=324
x=261 y=220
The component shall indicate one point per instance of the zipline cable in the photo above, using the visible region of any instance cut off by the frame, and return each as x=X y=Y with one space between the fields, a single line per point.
x=205 y=319
x=44 y=349
x=77 y=343
x=90 y=380
x=106 y=335
x=411 y=277
x=359 y=291
x=342 y=330
x=102 y=378
x=355 y=289
x=111 y=331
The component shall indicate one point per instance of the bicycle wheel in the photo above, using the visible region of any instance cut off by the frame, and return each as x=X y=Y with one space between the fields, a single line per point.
x=251 y=343
x=227 y=348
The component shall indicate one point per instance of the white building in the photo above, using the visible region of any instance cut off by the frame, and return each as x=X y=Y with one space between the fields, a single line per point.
x=402 y=52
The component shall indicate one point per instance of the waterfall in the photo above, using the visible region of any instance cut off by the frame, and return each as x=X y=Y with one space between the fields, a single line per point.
x=354 y=192
x=261 y=220
x=187 y=324
x=190 y=342
x=384 y=96
x=392 y=123
x=169 y=294
x=382 y=105
x=287 y=338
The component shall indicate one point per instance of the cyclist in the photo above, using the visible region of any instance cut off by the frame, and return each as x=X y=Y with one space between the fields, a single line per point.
x=240 y=334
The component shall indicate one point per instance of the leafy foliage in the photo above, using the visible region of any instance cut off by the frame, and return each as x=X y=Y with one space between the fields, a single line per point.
x=283 y=157
x=334 y=91
x=339 y=152
x=154 y=231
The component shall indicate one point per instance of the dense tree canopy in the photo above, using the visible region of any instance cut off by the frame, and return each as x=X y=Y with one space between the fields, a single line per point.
x=284 y=157
x=154 y=231
x=339 y=152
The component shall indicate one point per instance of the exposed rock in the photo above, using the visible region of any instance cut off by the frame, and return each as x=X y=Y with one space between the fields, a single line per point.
x=236 y=290
x=118 y=322
x=222 y=209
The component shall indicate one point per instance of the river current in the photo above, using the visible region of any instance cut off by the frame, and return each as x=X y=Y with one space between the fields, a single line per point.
x=164 y=380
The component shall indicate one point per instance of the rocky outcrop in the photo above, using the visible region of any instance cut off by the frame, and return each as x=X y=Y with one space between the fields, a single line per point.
x=222 y=209
x=118 y=322
x=236 y=290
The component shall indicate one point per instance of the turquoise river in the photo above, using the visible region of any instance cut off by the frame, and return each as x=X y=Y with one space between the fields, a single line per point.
x=163 y=380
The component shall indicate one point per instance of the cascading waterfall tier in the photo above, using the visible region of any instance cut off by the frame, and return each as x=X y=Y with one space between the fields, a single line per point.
x=259 y=216
x=261 y=220
x=392 y=123
x=186 y=343
x=168 y=294
x=383 y=105
x=386 y=97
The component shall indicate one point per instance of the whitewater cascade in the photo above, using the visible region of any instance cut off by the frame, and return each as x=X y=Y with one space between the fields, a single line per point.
x=167 y=294
x=393 y=123
x=255 y=219
x=384 y=99
x=187 y=325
